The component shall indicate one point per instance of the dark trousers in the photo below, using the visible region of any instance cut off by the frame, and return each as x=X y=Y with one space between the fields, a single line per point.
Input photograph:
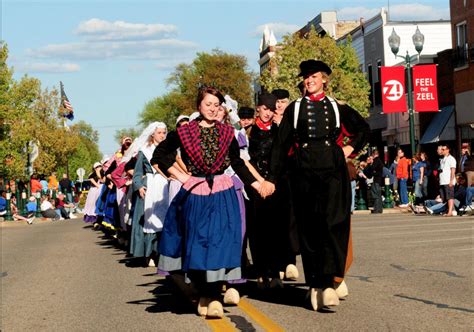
x=376 y=191
x=322 y=201
x=267 y=231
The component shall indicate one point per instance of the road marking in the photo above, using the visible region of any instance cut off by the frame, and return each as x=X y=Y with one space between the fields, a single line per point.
x=416 y=225
x=440 y=240
x=259 y=317
x=219 y=325
x=465 y=249
x=422 y=232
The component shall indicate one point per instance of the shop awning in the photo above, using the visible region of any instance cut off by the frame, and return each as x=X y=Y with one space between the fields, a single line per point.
x=441 y=127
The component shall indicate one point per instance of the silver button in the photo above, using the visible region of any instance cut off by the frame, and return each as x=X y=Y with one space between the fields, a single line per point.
x=305 y=145
x=327 y=143
x=311 y=128
x=326 y=113
x=311 y=120
x=327 y=120
x=327 y=127
x=324 y=101
x=325 y=107
x=310 y=113
x=312 y=135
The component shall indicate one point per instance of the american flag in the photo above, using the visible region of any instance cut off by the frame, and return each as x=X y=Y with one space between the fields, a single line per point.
x=69 y=112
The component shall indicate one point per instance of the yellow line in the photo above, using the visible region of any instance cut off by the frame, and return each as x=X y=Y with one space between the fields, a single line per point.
x=259 y=317
x=221 y=325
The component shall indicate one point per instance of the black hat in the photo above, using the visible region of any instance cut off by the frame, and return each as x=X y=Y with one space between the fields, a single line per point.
x=246 y=113
x=309 y=67
x=281 y=93
x=268 y=100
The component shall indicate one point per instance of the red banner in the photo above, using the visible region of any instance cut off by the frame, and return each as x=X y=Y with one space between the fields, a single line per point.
x=393 y=89
x=425 y=92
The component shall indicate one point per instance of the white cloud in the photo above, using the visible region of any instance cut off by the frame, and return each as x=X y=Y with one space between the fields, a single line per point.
x=401 y=12
x=279 y=29
x=42 y=67
x=355 y=13
x=417 y=11
x=143 y=49
x=97 y=29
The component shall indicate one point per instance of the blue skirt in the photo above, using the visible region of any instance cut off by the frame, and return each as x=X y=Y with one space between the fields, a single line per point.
x=202 y=230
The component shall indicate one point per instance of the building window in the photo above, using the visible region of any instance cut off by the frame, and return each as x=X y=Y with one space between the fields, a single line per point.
x=370 y=78
x=377 y=85
x=462 y=47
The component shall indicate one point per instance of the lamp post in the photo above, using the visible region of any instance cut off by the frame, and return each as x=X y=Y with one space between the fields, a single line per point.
x=38 y=204
x=8 y=197
x=394 y=42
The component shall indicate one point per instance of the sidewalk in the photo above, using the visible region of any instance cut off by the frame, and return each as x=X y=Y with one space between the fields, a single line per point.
x=386 y=211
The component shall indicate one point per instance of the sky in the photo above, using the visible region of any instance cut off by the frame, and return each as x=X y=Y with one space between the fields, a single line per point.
x=114 y=56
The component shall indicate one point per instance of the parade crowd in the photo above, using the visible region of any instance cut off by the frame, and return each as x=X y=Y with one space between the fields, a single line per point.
x=280 y=179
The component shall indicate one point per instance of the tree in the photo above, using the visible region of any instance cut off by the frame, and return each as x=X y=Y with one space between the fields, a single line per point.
x=227 y=72
x=126 y=132
x=165 y=108
x=348 y=83
x=30 y=114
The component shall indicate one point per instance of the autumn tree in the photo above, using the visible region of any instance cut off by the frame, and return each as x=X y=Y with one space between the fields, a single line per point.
x=29 y=115
x=348 y=83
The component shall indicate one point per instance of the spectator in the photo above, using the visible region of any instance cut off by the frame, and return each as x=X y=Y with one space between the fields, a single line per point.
x=378 y=182
x=438 y=206
x=53 y=182
x=47 y=209
x=402 y=177
x=31 y=206
x=419 y=177
x=447 y=178
x=393 y=171
x=35 y=184
x=16 y=213
x=44 y=184
x=353 y=177
x=465 y=156
x=65 y=186
x=63 y=206
x=3 y=203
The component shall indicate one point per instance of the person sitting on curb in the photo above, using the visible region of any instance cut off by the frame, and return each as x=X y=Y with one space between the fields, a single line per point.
x=437 y=206
x=16 y=214
x=62 y=207
x=47 y=209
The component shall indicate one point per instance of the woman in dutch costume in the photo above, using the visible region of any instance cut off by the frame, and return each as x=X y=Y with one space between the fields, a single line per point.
x=320 y=184
x=151 y=201
x=202 y=230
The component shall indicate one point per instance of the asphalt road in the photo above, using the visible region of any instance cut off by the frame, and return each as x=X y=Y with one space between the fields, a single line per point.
x=410 y=273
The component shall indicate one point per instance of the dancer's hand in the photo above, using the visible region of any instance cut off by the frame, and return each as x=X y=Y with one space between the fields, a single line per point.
x=142 y=192
x=266 y=189
x=347 y=149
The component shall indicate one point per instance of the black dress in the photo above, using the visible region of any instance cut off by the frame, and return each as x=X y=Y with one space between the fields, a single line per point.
x=320 y=183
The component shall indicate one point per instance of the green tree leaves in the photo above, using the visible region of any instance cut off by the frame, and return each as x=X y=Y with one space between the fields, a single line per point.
x=348 y=83
x=30 y=113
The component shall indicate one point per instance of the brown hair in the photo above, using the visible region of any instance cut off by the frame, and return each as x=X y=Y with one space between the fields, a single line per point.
x=208 y=90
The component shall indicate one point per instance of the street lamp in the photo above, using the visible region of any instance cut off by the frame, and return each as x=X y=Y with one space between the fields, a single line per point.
x=418 y=41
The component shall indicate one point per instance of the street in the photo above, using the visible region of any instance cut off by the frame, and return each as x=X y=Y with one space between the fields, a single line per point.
x=410 y=273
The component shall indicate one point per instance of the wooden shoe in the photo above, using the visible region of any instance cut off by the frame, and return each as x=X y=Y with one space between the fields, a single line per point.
x=202 y=306
x=215 y=310
x=231 y=297
x=262 y=283
x=315 y=296
x=292 y=272
x=276 y=283
x=330 y=298
x=341 y=290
